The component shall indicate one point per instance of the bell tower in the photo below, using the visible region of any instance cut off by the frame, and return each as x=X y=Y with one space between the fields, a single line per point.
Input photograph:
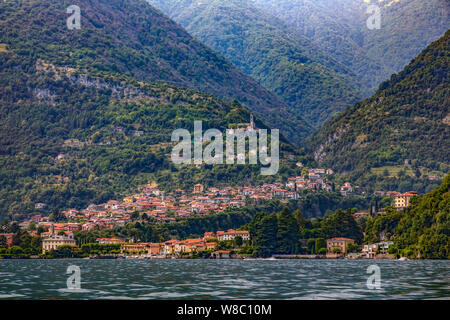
x=252 y=122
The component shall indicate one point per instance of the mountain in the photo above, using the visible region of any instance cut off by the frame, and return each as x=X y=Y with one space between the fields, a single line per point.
x=311 y=82
x=136 y=40
x=87 y=115
x=406 y=121
x=339 y=27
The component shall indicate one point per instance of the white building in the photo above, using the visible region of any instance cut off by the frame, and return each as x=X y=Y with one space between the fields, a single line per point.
x=231 y=234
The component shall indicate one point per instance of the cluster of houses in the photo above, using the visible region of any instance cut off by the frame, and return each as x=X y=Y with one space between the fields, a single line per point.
x=161 y=207
x=165 y=207
x=61 y=234
x=337 y=247
x=371 y=250
x=175 y=247
x=315 y=180
x=169 y=248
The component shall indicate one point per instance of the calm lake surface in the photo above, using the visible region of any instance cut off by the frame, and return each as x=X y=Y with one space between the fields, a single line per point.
x=224 y=279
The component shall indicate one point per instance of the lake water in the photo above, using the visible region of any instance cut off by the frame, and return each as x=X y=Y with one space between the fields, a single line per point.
x=224 y=279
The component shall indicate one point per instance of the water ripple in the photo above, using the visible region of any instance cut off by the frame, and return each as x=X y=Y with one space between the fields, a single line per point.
x=224 y=279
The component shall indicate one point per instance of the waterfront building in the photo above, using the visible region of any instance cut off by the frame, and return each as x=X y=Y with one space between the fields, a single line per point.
x=372 y=249
x=340 y=243
x=55 y=241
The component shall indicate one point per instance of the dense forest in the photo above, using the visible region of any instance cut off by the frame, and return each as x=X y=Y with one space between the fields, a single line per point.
x=289 y=232
x=131 y=38
x=339 y=28
x=400 y=134
x=422 y=230
x=311 y=82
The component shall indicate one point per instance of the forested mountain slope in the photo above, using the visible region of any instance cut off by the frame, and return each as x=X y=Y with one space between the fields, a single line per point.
x=407 y=120
x=311 y=82
x=134 y=39
x=339 y=27
x=85 y=115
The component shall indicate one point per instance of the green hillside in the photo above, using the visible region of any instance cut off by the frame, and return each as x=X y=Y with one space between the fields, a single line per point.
x=339 y=27
x=80 y=123
x=311 y=82
x=131 y=38
x=424 y=231
x=407 y=120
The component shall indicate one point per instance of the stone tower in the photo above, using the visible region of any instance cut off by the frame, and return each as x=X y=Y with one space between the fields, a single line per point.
x=252 y=122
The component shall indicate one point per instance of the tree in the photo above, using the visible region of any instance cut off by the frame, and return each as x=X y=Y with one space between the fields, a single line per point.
x=17 y=238
x=423 y=231
x=320 y=243
x=14 y=227
x=353 y=247
x=336 y=250
x=15 y=250
x=57 y=216
x=342 y=224
x=134 y=216
x=3 y=242
x=311 y=245
x=266 y=236
x=301 y=221
x=238 y=241
x=41 y=229
x=32 y=226
x=382 y=227
x=223 y=245
x=65 y=252
x=287 y=233
x=417 y=172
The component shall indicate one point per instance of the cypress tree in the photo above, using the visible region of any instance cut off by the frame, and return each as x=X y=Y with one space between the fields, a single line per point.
x=288 y=232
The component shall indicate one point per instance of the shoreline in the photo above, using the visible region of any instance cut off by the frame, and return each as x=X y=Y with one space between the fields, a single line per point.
x=277 y=257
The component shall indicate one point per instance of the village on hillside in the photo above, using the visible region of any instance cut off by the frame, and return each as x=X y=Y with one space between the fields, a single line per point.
x=162 y=207
x=156 y=206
